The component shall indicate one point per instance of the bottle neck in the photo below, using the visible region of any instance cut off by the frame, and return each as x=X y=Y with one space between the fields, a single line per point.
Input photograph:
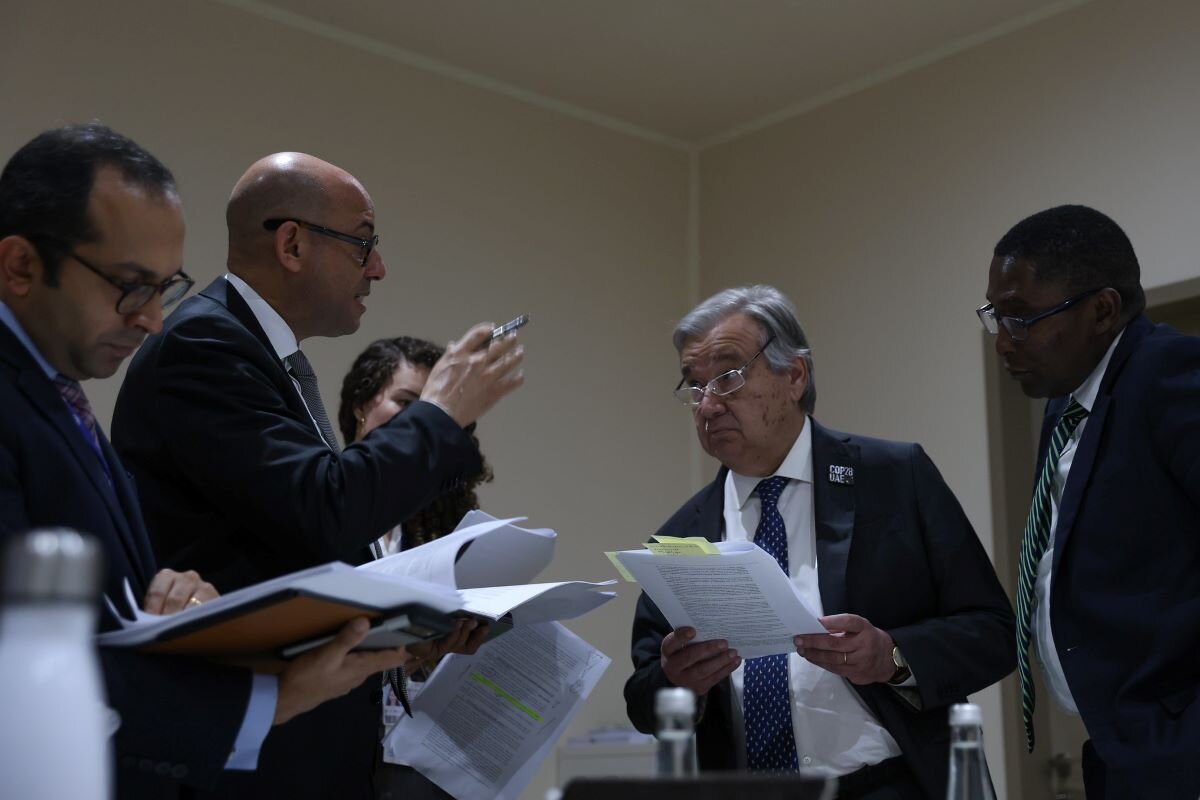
x=966 y=735
x=672 y=722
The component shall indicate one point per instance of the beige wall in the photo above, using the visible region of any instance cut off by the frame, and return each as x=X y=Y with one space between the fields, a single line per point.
x=877 y=214
x=487 y=208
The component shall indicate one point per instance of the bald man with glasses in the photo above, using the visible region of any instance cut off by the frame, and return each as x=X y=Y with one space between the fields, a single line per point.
x=241 y=477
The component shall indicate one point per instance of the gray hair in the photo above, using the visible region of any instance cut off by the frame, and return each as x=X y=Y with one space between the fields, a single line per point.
x=776 y=317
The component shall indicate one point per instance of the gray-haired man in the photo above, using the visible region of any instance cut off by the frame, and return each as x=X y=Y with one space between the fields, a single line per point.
x=869 y=533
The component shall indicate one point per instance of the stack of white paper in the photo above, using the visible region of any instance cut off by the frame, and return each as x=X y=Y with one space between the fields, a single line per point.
x=735 y=591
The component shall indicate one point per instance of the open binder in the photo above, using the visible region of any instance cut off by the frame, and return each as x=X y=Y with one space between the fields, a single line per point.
x=286 y=616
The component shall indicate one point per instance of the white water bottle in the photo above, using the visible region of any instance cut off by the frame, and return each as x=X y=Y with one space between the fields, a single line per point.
x=54 y=727
x=676 y=712
x=969 y=777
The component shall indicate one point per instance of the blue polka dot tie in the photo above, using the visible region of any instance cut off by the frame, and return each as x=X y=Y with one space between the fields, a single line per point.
x=770 y=743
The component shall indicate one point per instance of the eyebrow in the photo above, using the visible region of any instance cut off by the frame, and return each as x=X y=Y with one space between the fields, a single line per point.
x=730 y=356
x=149 y=275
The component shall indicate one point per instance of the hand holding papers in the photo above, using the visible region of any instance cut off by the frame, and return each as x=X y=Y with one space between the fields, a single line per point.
x=266 y=618
x=738 y=594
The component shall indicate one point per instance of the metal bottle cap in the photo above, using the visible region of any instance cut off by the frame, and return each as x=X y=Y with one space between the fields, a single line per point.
x=675 y=701
x=965 y=714
x=51 y=565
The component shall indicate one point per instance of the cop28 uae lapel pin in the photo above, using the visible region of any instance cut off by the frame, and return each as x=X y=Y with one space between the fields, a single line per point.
x=843 y=475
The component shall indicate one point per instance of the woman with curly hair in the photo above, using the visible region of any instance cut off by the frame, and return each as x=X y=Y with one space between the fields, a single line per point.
x=382 y=382
x=384 y=379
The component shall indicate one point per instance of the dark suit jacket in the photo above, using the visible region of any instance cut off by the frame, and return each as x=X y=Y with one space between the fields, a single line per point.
x=1125 y=592
x=180 y=717
x=895 y=548
x=236 y=483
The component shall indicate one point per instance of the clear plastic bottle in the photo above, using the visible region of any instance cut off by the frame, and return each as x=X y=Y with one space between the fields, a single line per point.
x=676 y=712
x=55 y=725
x=969 y=777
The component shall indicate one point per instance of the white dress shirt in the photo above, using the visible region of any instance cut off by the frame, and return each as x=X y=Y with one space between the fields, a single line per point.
x=279 y=333
x=835 y=732
x=1052 y=669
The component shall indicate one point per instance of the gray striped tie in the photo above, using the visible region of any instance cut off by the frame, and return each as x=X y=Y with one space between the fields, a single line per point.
x=302 y=371
x=1033 y=547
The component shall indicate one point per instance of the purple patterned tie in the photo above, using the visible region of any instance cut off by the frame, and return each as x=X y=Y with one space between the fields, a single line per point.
x=73 y=396
x=770 y=742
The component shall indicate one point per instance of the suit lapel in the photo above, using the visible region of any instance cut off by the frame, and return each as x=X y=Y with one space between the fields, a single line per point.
x=833 y=512
x=224 y=294
x=709 y=509
x=1089 y=444
x=48 y=403
x=138 y=540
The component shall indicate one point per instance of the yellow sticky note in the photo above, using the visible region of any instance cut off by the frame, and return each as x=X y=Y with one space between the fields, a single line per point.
x=612 y=556
x=677 y=546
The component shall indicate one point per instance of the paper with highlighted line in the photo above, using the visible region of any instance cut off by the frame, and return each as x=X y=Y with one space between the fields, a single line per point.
x=483 y=724
x=740 y=595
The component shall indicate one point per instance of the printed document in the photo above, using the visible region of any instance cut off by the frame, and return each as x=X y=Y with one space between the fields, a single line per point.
x=738 y=594
x=483 y=724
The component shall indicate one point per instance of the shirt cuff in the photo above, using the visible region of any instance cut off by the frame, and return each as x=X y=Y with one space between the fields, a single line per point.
x=260 y=711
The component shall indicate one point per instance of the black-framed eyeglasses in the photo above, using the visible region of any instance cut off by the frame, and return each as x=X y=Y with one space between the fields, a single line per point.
x=367 y=245
x=724 y=384
x=135 y=295
x=1017 y=327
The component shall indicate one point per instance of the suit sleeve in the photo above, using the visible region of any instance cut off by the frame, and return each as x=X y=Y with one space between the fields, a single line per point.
x=238 y=444
x=650 y=627
x=179 y=717
x=967 y=643
x=1173 y=415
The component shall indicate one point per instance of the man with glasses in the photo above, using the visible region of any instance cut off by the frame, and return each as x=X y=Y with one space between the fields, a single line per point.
x=1109 y=574
x=91 y=242
x=240 y=475
x=871 y=536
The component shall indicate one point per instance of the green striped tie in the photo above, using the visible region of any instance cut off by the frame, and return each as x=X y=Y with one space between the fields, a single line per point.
x=1033 y=547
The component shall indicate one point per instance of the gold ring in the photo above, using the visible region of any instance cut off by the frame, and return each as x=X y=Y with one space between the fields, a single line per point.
x=845 y=658
x=193 y=601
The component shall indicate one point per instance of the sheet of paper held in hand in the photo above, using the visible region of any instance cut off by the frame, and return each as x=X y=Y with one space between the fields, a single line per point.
x=482 y=551
x=738 y=593
x=483 y=724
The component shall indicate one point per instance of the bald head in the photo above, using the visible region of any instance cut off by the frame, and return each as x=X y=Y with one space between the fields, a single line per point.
x=282 y=186
x=316 y=265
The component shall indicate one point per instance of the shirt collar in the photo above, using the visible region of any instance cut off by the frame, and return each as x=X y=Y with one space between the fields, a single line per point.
x=1085 y=395
x=10 y=321
x=278 y=332
x=797 y=466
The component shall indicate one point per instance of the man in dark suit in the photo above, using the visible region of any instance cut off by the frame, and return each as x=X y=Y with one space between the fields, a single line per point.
x=238 y=470
x=1110 y=558
x=871 y=536
x=91 y=241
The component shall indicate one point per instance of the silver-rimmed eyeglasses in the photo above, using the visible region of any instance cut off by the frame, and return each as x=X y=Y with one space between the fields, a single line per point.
x=724 y=384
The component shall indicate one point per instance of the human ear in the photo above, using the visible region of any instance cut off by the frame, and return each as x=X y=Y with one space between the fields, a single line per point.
x=1107 y=310
x=20 y=266
x=799 y=378
x=288 y=249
